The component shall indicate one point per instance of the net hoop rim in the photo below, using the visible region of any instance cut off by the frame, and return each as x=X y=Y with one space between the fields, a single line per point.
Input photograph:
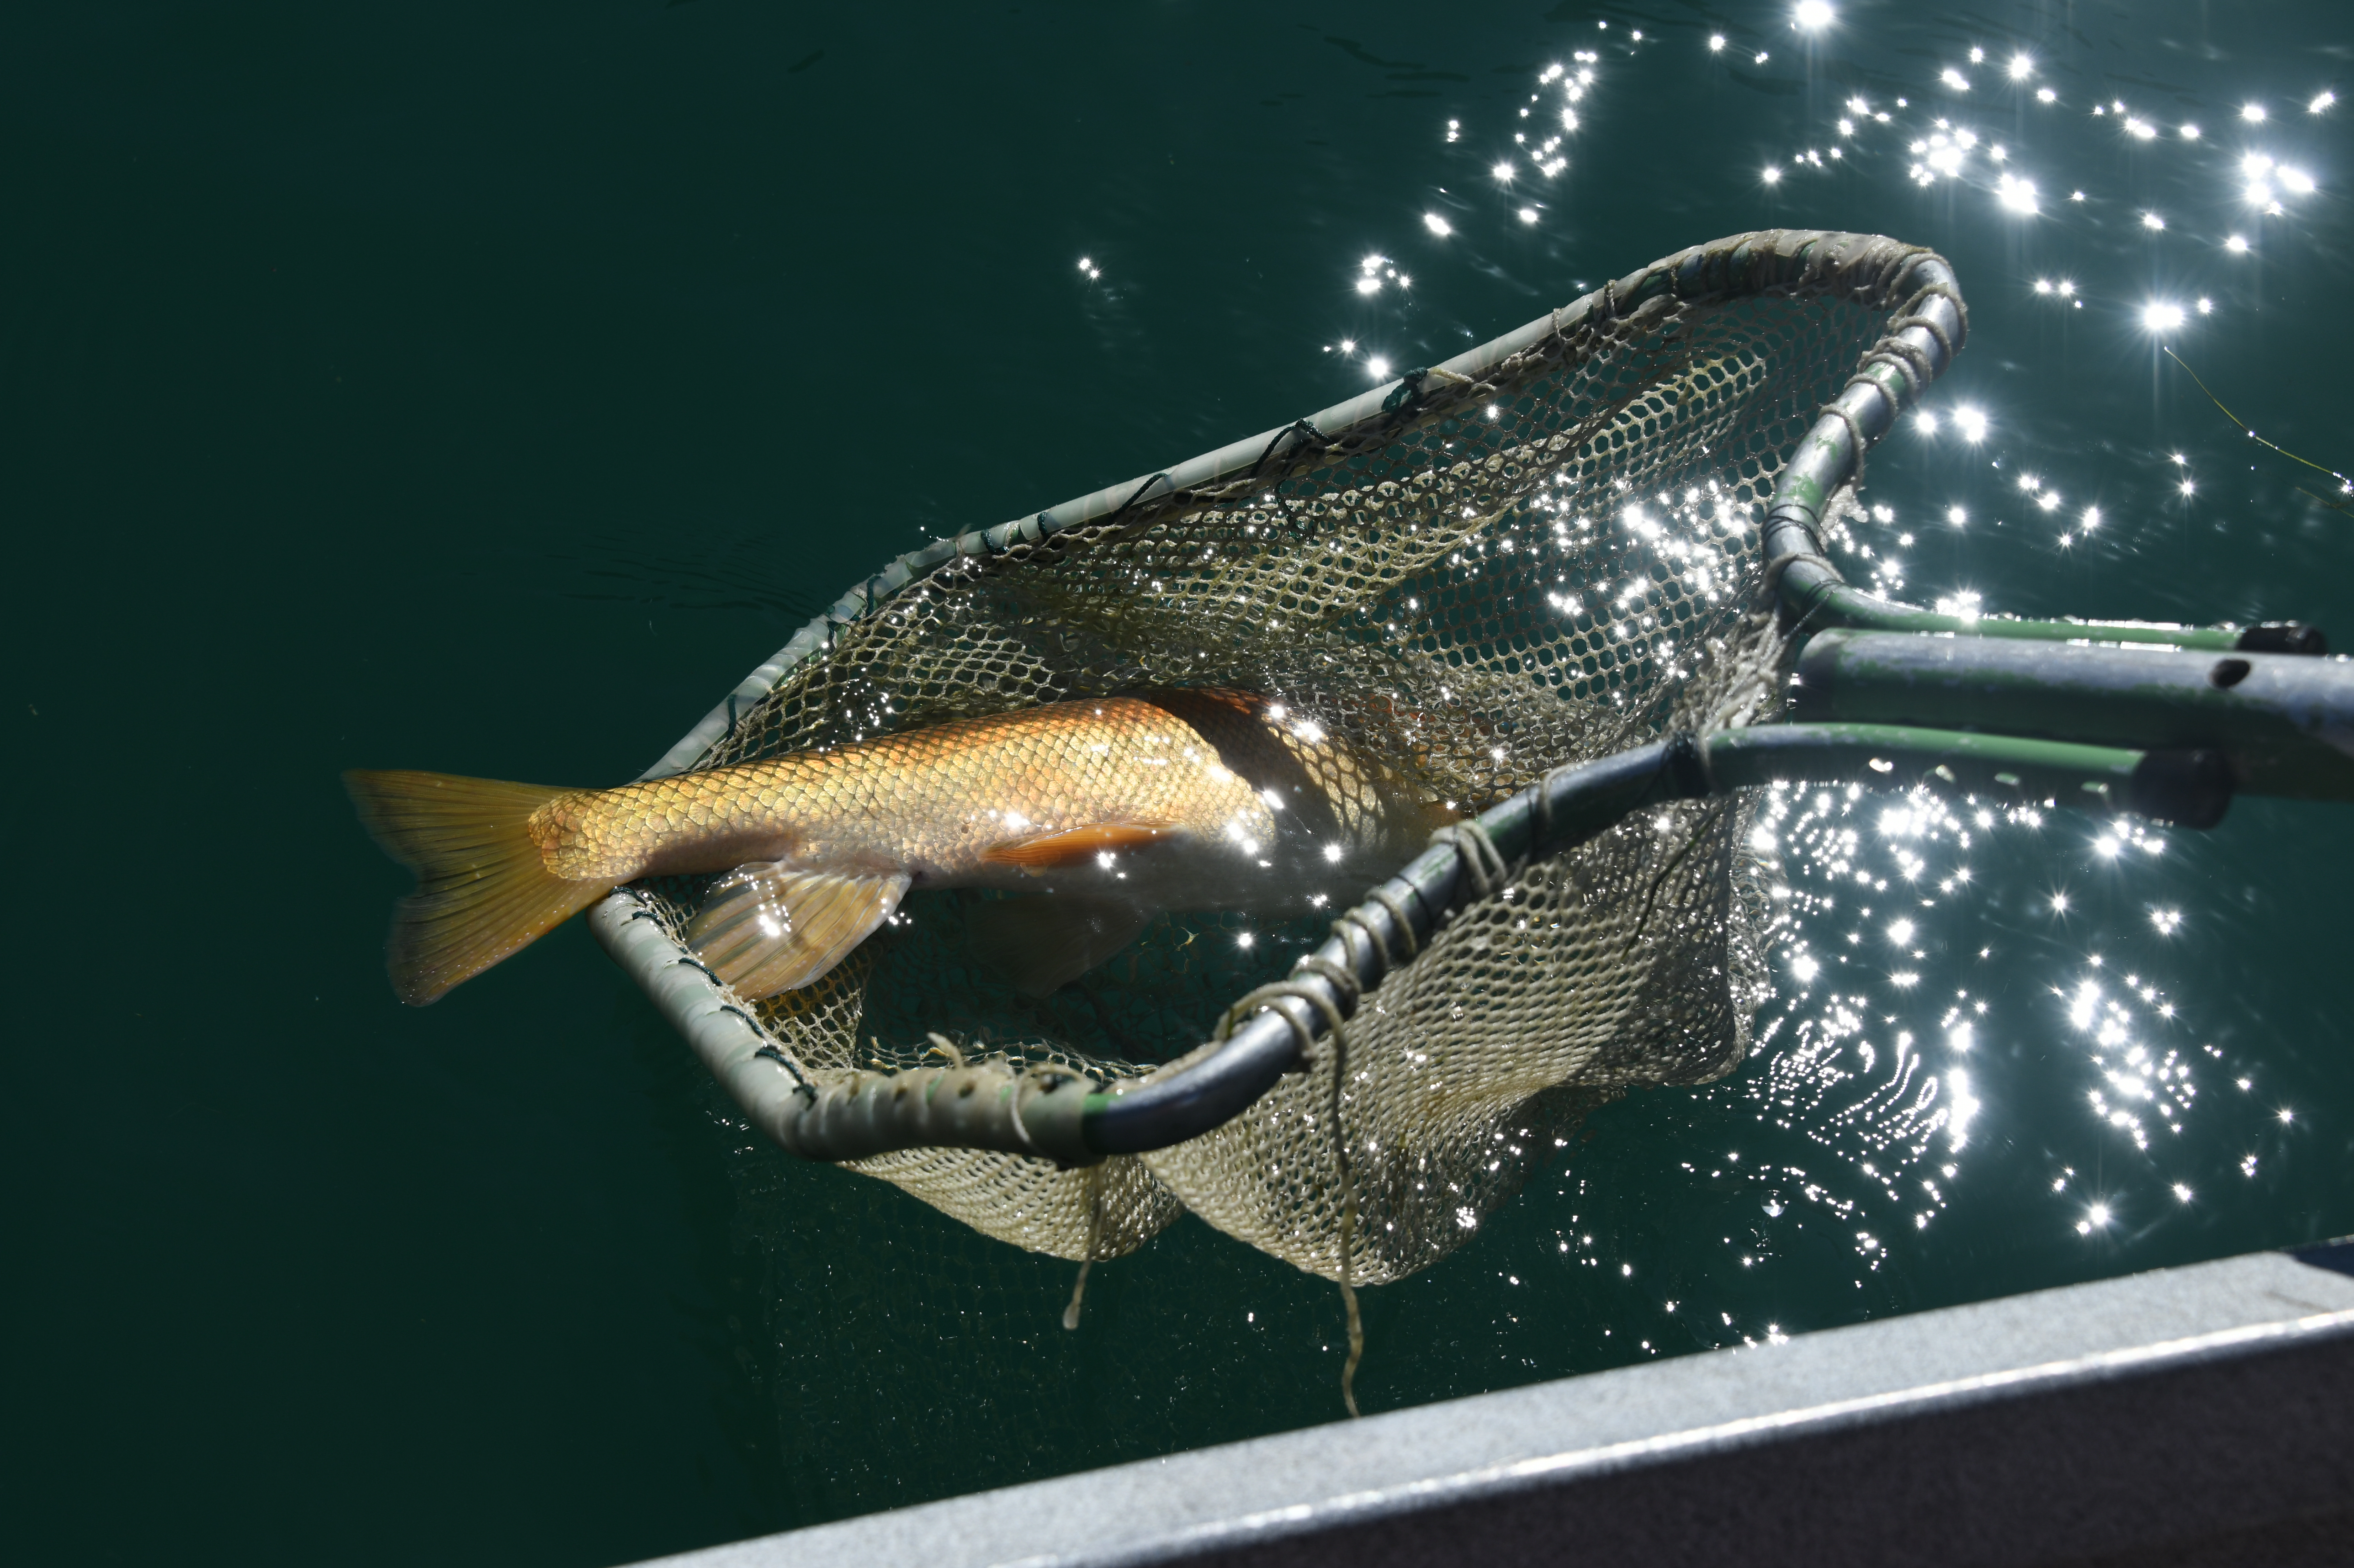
x=1797 y=262
x=1871 y=269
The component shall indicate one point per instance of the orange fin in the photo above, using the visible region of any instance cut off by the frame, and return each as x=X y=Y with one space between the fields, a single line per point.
x=1073 y=846
x=482 y=890
x=1044 y=941
x=766 y=928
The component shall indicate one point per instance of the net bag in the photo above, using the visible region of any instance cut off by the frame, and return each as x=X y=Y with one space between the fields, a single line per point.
x=1541 y=553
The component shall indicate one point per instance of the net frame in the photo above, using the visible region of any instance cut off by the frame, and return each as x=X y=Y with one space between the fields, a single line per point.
x=755 y=1066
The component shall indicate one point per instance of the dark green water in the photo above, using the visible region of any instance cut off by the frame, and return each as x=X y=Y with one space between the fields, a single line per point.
x=487 y=392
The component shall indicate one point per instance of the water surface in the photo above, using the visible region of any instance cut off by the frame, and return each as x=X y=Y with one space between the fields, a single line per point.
x=488 y=393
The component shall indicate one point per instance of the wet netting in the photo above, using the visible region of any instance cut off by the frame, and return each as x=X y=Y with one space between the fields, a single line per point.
x=1539 y=554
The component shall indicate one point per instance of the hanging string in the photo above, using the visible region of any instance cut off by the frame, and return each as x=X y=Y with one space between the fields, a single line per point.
x=1707 y=823
x=1295 y=989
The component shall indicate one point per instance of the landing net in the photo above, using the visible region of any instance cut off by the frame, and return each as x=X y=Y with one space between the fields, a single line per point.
x=1537 y=554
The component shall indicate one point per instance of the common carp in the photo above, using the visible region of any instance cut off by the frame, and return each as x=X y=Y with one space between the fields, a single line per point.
x=1111 y=809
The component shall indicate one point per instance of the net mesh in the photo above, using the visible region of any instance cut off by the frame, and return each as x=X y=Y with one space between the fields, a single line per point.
x=1497 y=578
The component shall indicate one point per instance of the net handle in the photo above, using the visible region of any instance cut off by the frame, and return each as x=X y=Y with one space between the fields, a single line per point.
x=992 y=1106
x=1919 y=347
x=1052 y=1116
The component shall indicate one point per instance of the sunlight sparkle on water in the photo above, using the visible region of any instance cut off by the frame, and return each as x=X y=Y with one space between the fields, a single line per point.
x=1838 y=1066
x=1963 y=606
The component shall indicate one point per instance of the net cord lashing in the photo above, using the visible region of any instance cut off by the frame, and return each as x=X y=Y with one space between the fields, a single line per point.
x=1482 y=863
x=801 y=1085
x=1769 y=582
x=1375 y=938
x=1909 y=360
x=1543 y=804
x=1857 y=444
x=1752 y=691
x=1914 y=367
x=1134 y=496
x=1912 y=315
x=1309 y=436
x=1409 y=393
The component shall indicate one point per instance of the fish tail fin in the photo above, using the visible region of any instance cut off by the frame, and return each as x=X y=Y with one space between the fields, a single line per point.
x=484 y=891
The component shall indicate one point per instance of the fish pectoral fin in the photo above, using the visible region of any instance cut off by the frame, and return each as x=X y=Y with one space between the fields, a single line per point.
x=767 y=928
x=1044 y=941
x=1073 y=846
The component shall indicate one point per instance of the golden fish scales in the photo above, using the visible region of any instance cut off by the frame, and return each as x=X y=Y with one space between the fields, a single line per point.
x=1200 y=799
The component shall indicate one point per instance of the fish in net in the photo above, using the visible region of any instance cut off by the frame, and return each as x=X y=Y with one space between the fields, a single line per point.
x=1545 y=553
x=1539 y=554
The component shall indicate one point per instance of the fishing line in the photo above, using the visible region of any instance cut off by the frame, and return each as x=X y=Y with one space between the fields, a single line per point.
x=2345 y=485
